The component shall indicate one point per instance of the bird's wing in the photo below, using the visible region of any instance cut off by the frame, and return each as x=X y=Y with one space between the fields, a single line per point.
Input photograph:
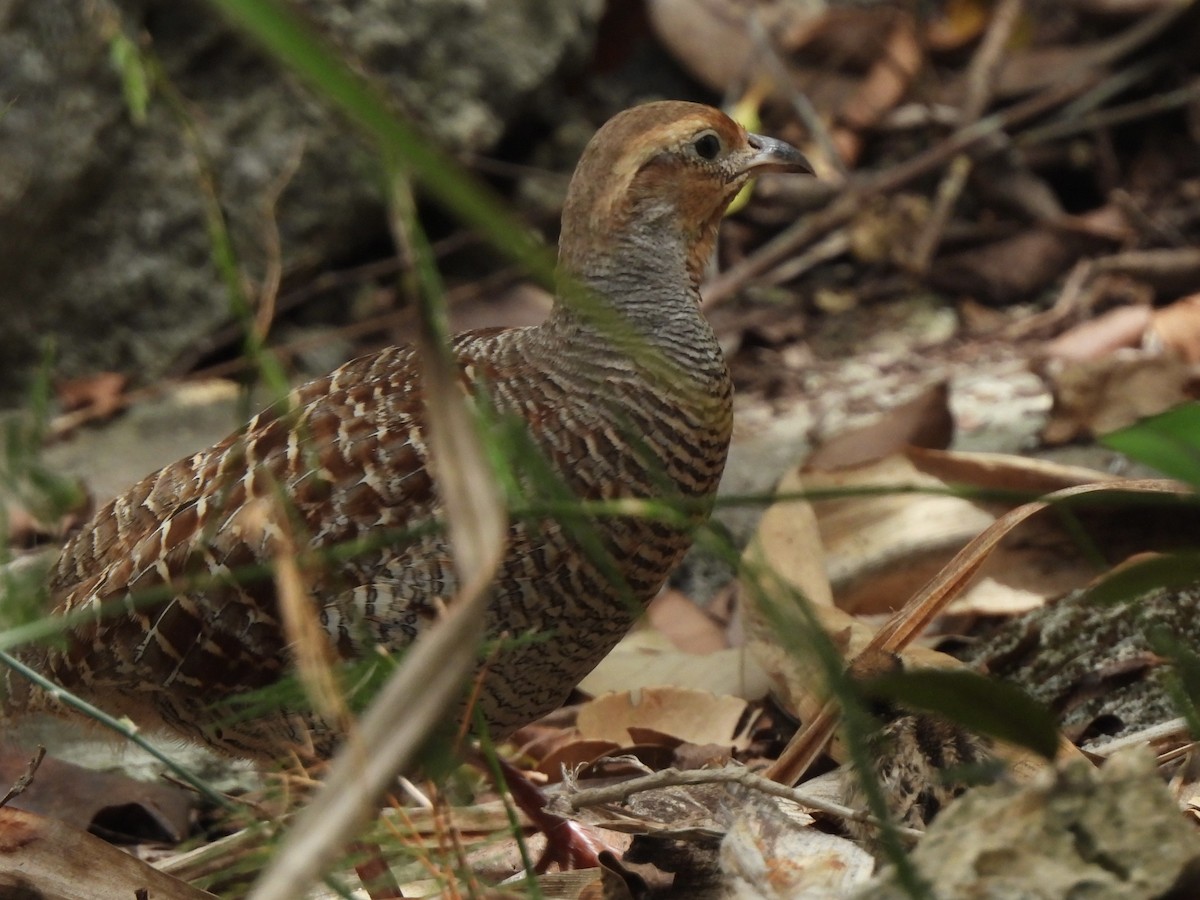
x=181 y=563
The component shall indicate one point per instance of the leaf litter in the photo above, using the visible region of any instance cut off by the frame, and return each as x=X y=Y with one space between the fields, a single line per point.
x=1017 y=253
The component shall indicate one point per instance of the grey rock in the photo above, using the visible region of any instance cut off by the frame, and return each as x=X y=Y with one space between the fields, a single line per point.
x=103 y=238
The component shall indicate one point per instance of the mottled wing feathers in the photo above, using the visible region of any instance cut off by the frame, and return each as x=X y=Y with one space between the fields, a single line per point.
x=181 y=562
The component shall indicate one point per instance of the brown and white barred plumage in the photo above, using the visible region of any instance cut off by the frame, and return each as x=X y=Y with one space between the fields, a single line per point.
x=615 y=418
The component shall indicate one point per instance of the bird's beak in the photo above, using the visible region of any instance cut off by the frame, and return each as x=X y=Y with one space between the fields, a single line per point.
x=771 y=155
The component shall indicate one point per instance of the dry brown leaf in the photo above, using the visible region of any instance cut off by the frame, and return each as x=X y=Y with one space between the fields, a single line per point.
x=1098 y=337
x=25 y=529
x=685 y=624
x=1007 y=270
x=101 y=394
x=1003 y=471
x=647 y=658
x=788 y=544
x=801 y=684
x=616 y=882
x=1177 y=328
x=880 y=549
x=47 y=859
x=924 y=421
x=978 y=319
x=123 y=807
x=690 y=29
x=693 y=716
x=907 y=624
x=1098 y=396
x=702 y=756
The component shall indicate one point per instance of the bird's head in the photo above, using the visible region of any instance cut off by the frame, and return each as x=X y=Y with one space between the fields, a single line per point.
x=662 y=173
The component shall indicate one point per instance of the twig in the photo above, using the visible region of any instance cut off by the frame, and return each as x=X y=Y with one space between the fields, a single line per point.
x=1117 y=83
x=733 y=774
x=981 y=81
x=1172 y=729
x=1160 y=263
x=949 y=189
x=829 y=247
x=1135 y=36
x=26 y=778
x=273 y=277
x=1068 y=299
x=1077 y=294
x=1117 y=115
x=221 y=855
x=1143 y=223
x=981 y=76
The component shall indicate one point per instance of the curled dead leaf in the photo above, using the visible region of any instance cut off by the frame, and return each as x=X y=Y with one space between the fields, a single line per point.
x=1177 y=328
x=693 y=716
x=1096 y=338
x=1095 y=397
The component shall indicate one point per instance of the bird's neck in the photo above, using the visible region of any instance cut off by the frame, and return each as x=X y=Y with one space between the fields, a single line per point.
x=641 y=300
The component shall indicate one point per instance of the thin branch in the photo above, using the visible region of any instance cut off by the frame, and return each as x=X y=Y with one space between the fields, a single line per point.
x=268 y=293
x=26 y=779
x=1116 y=115
x=981 y=83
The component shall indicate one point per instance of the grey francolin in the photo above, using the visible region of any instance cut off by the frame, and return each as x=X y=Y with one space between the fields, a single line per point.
x=178 y=617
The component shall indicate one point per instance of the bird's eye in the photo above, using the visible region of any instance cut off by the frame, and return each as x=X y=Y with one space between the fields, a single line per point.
x=707 y=145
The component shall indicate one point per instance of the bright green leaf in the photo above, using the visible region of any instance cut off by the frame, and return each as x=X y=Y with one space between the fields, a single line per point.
x=1169 y=442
